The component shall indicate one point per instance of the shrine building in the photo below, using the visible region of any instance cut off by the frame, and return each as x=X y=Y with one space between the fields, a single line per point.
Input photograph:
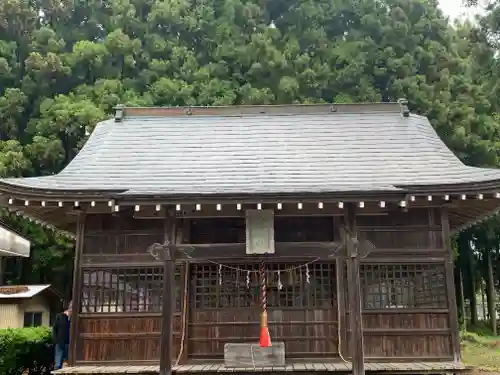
x=197 y=229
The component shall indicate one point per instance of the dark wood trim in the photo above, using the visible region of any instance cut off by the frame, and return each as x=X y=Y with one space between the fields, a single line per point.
x=402 y=260
x=115 y=315
x=354 y=292
x=450 y=285
x=137 y=362
x=77 y=289
x=122 y=336
x=342 y=317
x=235 y=252
x=406 y=251
x=168 y=298
x=256 y=338
x=405 y=332
x=271 y=323
x=406 y=228
x=404 y=311
x=185 y=315
x=412 y=359
x=211 y=361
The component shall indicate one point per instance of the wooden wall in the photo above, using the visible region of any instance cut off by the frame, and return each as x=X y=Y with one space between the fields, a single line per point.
x=225 y=307
x=405 y=301
x=405 y=309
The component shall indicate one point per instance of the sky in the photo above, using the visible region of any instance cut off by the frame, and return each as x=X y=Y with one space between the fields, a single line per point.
x=454 y=9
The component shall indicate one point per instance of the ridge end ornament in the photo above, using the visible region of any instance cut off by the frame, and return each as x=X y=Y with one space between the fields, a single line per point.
x=358 y=240
x=169 y=250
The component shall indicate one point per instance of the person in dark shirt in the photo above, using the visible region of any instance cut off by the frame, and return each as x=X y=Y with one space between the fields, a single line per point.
x=60 y=335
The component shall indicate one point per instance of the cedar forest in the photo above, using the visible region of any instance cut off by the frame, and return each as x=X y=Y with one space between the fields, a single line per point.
x=64 y=64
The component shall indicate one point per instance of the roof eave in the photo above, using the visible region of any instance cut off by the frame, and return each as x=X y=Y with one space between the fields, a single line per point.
x=485 y=216
x=27 y=192
x=54 y=193
x=488 y=185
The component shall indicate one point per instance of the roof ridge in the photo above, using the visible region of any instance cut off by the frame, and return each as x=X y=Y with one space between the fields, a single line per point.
x=255 y=110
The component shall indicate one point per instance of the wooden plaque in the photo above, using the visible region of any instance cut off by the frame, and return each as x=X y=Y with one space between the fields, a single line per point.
x=260 y=232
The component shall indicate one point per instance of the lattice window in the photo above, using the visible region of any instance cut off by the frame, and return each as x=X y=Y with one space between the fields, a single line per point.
x=217 y=230
x=120 y=242
x=303 y=228
x=112 y=290
x=290 y=285
x=403 y=286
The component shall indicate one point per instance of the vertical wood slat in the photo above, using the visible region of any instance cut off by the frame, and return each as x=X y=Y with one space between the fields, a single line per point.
x=450 y=284
x=166 y=342
x=341 y=310
x=77 y=288
x=342 y=327
x=302 y=314
x=185 y=313
x=354 y=291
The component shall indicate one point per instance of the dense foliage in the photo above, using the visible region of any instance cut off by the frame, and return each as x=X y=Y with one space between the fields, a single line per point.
x=26 y=349
x=65 y=64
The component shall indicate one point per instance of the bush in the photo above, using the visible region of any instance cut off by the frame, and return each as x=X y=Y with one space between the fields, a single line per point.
x=26 y=350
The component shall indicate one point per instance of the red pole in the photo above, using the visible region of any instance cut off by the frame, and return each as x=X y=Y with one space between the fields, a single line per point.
x=265 y=338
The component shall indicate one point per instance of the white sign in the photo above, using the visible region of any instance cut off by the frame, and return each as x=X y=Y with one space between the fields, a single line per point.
x=260 y=231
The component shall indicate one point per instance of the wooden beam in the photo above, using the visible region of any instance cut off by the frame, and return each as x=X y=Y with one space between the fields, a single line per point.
x=77 y=289
x=450 y=285
x=168 y=298
x=354 y=292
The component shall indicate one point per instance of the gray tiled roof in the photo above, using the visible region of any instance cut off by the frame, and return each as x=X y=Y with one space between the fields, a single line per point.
x=296 y=153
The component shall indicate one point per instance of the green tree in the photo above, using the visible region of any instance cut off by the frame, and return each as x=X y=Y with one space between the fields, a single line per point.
x=65 y=64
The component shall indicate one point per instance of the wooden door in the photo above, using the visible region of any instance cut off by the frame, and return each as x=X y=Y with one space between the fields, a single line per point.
x=225 y=307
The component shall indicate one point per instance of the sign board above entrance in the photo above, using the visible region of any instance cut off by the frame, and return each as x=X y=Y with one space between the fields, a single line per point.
x=260 y=232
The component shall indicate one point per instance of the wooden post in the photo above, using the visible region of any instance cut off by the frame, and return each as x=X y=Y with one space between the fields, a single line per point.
x=450 y=285
x=342 y=326
x=472 y=285
x=183 y=347
x=167 y=314
x=354 y=292
x=2 y=270
x=483 y=301
x=491 y=294
x=77 y=288
x=462 y=301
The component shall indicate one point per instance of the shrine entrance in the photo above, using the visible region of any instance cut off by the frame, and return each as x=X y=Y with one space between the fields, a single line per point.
x=225 y=306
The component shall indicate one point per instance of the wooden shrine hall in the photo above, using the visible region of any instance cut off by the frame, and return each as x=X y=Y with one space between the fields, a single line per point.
x=201 y=230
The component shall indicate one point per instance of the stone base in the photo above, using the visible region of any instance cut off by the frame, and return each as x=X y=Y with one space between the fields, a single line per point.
x=252 y=355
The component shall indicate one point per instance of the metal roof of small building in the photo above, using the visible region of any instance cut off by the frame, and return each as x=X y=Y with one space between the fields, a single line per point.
x=25 y=291
x=12 y=243
x=262 y=150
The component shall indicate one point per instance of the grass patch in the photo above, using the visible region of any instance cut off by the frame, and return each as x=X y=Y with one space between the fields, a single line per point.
x=481 y=349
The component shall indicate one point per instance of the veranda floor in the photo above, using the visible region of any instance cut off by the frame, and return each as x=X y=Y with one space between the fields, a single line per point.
x=340 y=367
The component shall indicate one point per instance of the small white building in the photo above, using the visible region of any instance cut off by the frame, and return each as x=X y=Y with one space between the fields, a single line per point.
x=27 y=305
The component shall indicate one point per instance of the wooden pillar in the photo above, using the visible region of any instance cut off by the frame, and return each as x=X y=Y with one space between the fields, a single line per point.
x=167 y=313
x=2 y=270
x=342 y=325
x=462 y=301
x=183 y=347
x=491 y=293
x=77 y=288
x=184 y=237
x=450 y=285
x=354 y=291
